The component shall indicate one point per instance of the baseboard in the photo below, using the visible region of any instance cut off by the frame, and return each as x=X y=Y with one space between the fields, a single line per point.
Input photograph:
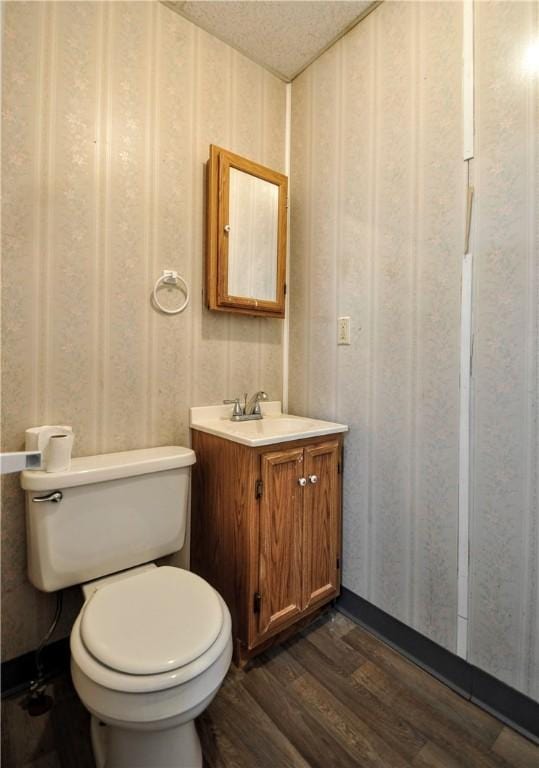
x=18 y=673
x=509 y=705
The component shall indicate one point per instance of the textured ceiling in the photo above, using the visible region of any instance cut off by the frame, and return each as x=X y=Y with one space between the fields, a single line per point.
x=282 y=35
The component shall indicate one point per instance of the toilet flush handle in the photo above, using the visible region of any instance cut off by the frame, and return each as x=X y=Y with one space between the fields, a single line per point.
x=55 y=497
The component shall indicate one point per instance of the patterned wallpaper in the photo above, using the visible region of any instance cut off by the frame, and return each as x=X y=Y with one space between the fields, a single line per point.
x=377 y=232
x=504 y=549
x=109 y=110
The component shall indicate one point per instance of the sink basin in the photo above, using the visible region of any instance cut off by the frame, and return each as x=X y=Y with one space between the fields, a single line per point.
x=271 y=425
x=274 y=427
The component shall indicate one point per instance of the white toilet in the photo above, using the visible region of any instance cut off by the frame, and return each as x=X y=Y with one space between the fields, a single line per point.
x=151 y=645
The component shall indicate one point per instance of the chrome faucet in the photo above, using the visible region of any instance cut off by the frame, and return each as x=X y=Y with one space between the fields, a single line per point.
x=250 y=409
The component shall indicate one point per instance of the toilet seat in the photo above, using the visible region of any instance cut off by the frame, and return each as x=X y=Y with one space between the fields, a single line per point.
x=117 y=679
x=161 y=619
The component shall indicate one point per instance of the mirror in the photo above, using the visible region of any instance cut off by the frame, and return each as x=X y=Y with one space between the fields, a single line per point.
x=252 y=238
x=246 y=239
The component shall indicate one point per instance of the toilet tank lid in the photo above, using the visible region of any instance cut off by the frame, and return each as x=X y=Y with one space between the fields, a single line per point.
x=109 y=466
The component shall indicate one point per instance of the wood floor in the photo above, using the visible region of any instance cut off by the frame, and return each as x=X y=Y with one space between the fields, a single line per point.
x=333 y=697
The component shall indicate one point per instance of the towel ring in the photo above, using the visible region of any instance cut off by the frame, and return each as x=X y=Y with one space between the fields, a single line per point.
x=170 y=277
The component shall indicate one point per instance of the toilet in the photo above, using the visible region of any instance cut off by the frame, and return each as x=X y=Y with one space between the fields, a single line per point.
x=151 y=644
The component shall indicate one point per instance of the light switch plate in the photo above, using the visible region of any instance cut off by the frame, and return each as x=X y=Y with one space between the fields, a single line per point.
x=343 y=330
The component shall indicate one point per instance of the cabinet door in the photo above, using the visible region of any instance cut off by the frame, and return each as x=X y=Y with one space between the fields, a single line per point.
x=280 y=530
x=321 y=530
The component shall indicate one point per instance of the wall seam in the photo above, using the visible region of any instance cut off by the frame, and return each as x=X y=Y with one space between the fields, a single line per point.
x=49 y=186
x=261 y=154
x=193 y=237
x=150 y=202
x=308 y=255
x=100 y=37
x=414 y=314
x=193 y=139
x=104 y=242
x=339 y=131
x=373 y=196
x=530 y=526
x=231 y=138
x=38 y=211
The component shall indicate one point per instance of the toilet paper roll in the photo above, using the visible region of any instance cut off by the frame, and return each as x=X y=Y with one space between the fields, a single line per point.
x=37 y=438
x=58 y=453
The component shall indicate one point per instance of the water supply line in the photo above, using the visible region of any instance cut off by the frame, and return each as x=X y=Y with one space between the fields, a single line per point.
x=37 y=702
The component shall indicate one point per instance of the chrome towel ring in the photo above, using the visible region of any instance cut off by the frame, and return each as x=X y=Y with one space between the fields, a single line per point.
x=170 y=277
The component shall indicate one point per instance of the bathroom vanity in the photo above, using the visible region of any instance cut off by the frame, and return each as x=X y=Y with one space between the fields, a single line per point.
x=266 y=519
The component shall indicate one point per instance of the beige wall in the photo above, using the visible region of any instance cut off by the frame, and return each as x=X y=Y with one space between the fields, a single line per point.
x=377 y=232
x=378 y=182
x=108 y=112
x=504 y=541
x=109 y=109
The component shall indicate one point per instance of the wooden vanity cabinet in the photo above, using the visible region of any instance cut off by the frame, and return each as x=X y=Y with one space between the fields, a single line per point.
x=266 y=531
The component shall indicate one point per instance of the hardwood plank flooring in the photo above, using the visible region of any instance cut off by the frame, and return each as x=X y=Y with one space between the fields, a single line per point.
x=333 y=697
x=440 y=698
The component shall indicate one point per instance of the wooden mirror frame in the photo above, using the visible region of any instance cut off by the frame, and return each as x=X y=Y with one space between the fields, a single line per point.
x=218 y=175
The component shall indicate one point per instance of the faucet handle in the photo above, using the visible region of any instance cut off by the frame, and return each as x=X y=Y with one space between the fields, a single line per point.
x=237 y=407
x=260 y=397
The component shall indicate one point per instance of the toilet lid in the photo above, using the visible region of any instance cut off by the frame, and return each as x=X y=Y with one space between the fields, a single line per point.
x=152 y=622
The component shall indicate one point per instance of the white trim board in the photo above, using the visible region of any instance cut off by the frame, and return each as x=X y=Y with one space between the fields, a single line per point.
x=466 y=351
x=286 y=321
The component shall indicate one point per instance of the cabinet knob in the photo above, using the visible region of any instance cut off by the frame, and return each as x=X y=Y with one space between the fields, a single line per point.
x=302 y=481
x=313 y=479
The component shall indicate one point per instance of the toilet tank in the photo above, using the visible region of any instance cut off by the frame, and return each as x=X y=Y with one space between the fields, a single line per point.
x=116 y=511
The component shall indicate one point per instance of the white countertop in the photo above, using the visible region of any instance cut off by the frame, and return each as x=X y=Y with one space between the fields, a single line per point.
x=274 y=427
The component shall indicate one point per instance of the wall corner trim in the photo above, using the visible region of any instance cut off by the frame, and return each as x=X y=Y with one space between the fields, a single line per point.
x=286 y=321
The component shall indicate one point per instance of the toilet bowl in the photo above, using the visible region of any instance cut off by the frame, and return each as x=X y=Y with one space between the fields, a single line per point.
x=148 y=653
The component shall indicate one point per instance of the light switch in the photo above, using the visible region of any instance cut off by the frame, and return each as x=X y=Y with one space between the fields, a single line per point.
x=343 y=330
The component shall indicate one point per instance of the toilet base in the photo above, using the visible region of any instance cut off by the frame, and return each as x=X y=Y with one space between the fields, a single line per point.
x=99 y=737
x=176 y=747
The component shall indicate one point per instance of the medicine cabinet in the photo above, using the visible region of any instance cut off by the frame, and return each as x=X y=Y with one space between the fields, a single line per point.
x=246 y=236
